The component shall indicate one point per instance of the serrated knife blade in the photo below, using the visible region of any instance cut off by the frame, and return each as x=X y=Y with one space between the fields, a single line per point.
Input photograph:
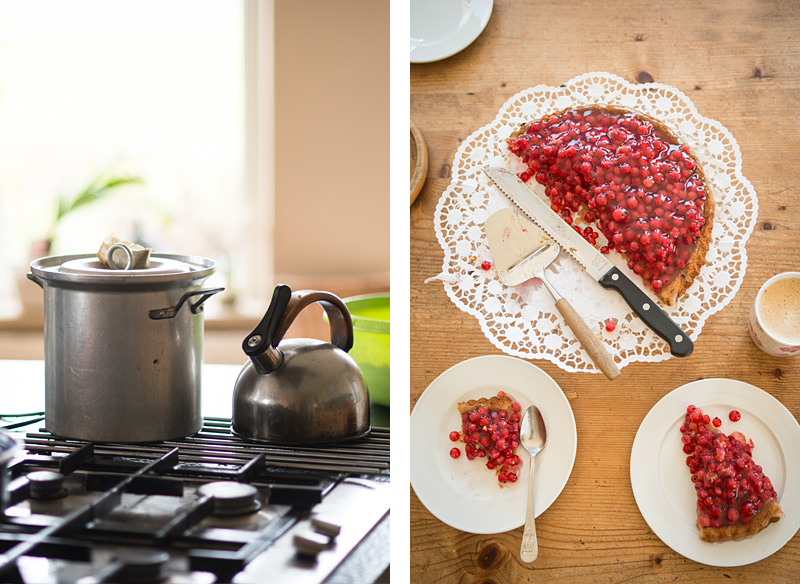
x=596 y=265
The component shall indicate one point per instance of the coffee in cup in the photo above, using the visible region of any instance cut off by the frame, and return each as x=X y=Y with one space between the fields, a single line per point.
x=775 y=315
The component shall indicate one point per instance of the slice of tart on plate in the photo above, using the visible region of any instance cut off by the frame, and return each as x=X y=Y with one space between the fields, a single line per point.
x=735 y=499
x=490 y=431
x=626 y=176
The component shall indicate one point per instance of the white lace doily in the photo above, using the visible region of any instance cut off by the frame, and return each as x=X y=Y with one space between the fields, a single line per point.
x=523 y=320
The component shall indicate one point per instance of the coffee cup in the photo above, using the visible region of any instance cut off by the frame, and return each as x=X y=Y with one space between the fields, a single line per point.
x=775 y=315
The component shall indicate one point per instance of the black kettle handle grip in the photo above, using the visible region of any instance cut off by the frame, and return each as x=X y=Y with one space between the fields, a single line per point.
x=284 y=308
x=263 y=336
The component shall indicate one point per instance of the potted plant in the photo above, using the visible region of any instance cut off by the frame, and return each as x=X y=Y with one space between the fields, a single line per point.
x=103 y=185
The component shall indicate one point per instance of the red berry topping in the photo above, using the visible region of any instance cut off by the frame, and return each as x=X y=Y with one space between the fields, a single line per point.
x=625 y=177
x=611 y=325
x=485 y=265
x=731 y=488
x=455 y=453
x=734 y=416
x=454 y=436
x=493 y=434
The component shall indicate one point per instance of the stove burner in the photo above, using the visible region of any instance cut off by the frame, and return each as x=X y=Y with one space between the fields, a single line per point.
x=46 y=484
x=231 y=498
x=162 y=497
x=137 y=566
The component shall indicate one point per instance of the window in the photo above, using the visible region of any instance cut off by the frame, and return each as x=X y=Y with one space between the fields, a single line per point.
x=155 y=90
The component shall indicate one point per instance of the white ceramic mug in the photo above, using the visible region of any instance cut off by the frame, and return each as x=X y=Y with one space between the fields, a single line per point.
x=775 y=315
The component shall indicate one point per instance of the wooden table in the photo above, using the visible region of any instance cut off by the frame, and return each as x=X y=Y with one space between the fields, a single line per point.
x=739 y=64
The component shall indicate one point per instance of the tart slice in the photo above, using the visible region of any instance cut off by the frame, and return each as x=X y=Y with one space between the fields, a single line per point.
x=626 y=176
x=735 y=499
x=490 y=431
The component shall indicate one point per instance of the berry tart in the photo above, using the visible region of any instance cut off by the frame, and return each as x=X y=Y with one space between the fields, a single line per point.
x=627 y=176
x=735 y=499
x=490 y=431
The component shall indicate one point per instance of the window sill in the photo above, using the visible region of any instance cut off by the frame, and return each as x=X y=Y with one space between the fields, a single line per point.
x=21 y=333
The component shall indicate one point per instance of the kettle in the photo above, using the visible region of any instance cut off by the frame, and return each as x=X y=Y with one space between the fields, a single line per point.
x=300 y=391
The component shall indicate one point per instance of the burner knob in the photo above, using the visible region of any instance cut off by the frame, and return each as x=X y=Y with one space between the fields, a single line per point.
x=231 y=498
x=140 y=566
x=325 y=526
x=310 y=543
x=46 y=484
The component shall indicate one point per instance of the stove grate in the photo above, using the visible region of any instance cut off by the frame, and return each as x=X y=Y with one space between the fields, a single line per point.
x=297 y=477
x=215 y=447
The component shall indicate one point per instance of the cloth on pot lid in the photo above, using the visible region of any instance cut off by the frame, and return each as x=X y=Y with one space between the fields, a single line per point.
x=116 y=254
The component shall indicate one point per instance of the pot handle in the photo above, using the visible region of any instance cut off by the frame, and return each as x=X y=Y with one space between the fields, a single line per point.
x=196 y=307
x=282 y=311
x=35 y=280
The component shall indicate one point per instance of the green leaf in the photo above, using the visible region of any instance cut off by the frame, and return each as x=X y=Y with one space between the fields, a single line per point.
x=99 y=188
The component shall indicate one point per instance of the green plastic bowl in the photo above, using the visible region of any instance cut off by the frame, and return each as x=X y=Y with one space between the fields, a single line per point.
x=370 y=314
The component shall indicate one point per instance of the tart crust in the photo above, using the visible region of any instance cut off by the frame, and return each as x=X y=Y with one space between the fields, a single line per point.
x=671 y=292
x=493 y=403
x=770 y=512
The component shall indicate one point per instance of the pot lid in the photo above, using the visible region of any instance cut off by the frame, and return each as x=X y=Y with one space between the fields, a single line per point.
x=92 y=265
x=87 y=268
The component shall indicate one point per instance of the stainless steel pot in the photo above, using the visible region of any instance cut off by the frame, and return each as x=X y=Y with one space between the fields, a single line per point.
x=123 y=348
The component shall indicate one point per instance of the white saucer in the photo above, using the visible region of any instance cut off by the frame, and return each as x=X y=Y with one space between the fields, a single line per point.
x=464 y=493
x=661 y=480
x=441 y=28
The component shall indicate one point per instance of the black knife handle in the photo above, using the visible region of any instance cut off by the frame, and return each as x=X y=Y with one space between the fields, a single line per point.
x=679 y=342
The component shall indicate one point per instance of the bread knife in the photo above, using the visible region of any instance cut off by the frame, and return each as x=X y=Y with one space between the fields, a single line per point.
x=596 y=264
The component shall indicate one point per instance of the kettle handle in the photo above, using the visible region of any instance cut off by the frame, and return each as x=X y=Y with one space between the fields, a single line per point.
x=284 y=308
x=338 y=315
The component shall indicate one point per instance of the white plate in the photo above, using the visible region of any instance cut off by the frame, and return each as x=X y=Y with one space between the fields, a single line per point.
x=463 y=493
x=441 y=28
x=661 y=480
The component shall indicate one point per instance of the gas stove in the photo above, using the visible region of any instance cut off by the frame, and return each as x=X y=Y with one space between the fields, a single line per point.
x=208 y=508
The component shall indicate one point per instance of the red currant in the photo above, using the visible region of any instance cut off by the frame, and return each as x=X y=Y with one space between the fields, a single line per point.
x=635 y=186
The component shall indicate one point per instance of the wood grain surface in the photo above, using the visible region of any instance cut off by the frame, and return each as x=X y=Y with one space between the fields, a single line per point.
x=739 y=63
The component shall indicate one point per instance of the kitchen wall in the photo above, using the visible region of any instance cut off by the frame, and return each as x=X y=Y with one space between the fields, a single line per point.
x=331 y=154
x=332 y=137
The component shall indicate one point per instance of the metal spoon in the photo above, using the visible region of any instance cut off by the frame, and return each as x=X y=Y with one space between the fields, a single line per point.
x=533 y=436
